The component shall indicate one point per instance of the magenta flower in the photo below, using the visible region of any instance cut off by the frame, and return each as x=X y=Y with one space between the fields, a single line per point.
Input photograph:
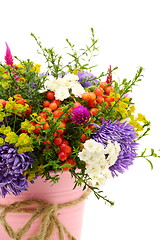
x=8 y=57
x=109 y=76
x=80 y=115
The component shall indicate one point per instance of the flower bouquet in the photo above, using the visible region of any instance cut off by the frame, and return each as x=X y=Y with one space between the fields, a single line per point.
x=65 y=119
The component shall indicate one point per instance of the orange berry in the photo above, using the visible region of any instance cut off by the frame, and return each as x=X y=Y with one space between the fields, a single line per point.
x=53 y=106
x=92 y=96
x=92 y=103
x=57 y=113
x=83 y=138
x=86 y=96
x=46 y=103
x=93 y=111
x=76 y=104
x=108 y=99
x=98 y=91
x=46 y=125
x=108 y=90
x=100 y=99
x=103 y=85
x=58 y=102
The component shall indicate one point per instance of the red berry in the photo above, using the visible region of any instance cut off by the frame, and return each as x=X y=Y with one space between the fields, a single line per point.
x=3 y=102
x=57 y=140
x=62 y=156
x=37 y=128
x=66 y=148
x=50 y=95
x=46 y=103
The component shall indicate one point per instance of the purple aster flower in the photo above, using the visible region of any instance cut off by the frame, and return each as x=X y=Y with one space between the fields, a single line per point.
x=87 y=79
x=12 y=166
x=80 y=115
x=124 y=134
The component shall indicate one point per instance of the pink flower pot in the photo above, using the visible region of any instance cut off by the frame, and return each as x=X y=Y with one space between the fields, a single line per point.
x=59 y=193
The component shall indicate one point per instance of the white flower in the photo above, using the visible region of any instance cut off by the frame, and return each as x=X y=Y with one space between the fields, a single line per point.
x=61 y=93
x=84 y=155
x=71 y=77
x=92 y=146
x=98 y=159
x=113 y=150
x=61 y=86
x=77 y=89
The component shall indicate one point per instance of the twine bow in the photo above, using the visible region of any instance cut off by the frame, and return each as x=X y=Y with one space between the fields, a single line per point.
x=47 y=212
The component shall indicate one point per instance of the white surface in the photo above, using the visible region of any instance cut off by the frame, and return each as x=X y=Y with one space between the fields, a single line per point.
x=128 y=33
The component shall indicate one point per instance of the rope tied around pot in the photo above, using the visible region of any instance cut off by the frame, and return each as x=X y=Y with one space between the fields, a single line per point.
x=47 y=212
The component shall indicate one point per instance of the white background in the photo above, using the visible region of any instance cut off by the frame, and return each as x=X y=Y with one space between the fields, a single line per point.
x=129 y=37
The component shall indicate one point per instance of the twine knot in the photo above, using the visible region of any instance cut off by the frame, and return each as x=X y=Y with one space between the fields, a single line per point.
x=47 y=212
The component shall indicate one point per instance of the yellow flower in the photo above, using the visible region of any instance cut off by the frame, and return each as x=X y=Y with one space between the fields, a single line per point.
x=138 y=127
x=27 y=126
x=5 y=130
x=19 y=66
x=131 y=109
x=38 y=67
x=23 y=140
x=2 y=115
x=1 y=141
x=141 y=118
x=11 y=137
x=24 y=149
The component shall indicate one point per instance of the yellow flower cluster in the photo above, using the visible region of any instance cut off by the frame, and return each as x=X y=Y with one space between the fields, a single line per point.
x=13 y=107
x=138 y=122
x=24 y=143
x=11 y=137
x=27 y=126
x=35 y=67
x=127 y=110
x=122 y=107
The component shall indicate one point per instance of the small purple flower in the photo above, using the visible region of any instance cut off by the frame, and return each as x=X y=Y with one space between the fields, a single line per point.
x=80 y=115
x=12 y=166
x=87 y=79
x=124 y=134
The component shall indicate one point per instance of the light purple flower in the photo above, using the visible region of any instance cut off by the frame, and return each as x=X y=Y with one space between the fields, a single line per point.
x=12 y=166
x=87 y=79
x=80 y=115
x=124 y=134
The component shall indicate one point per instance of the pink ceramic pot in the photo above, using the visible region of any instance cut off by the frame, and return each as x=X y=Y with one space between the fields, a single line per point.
x=61 y=192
